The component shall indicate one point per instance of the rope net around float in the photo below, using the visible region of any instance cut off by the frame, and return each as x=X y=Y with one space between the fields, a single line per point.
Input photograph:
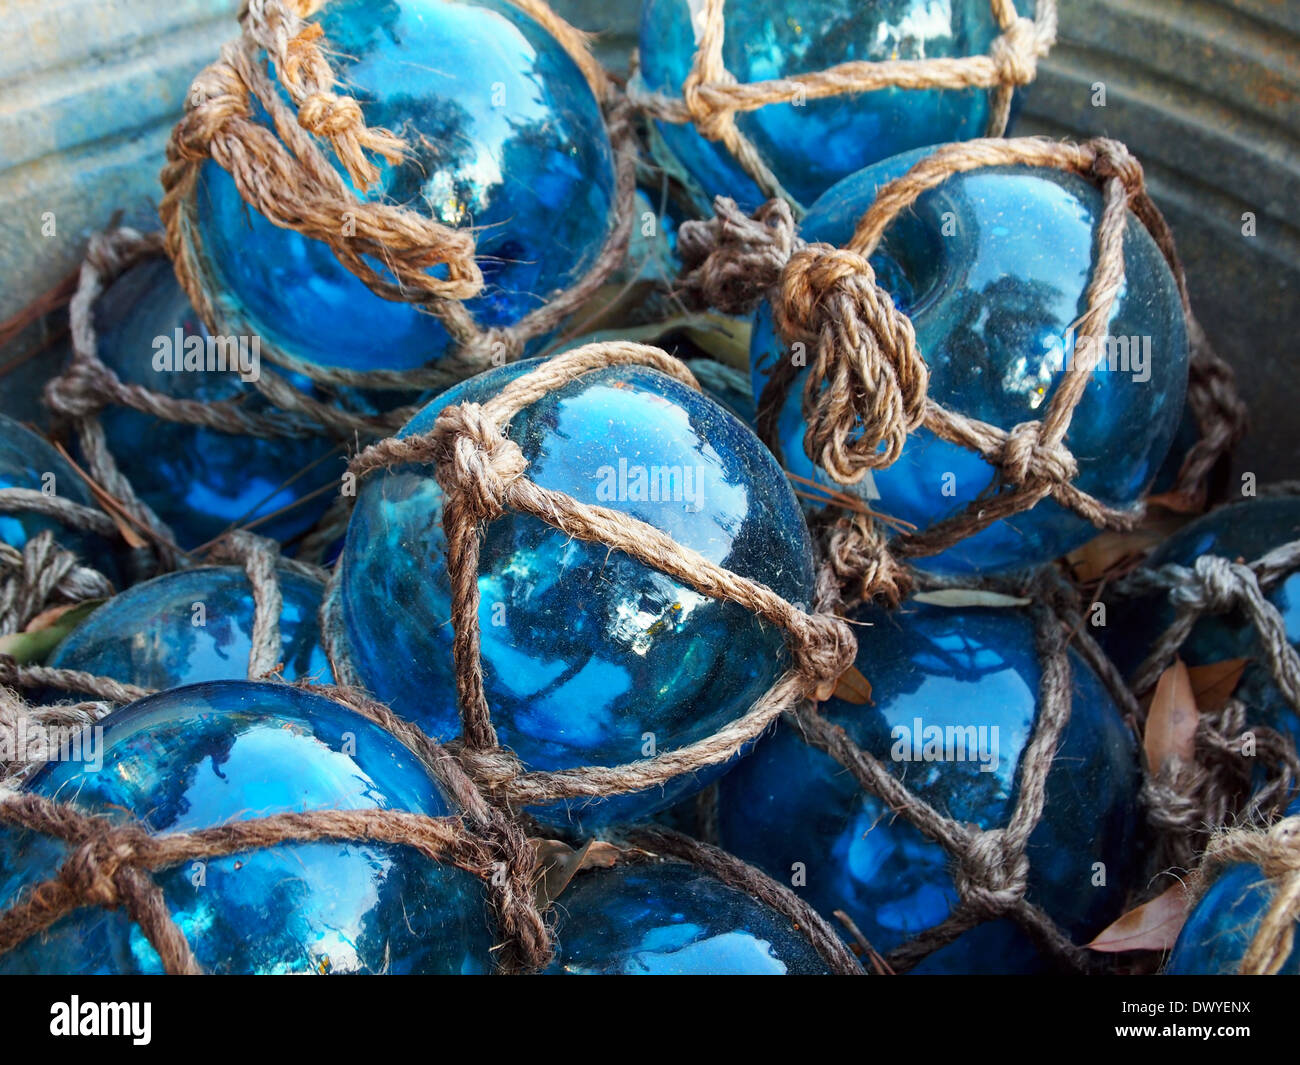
x=1191 y=801
x=867 y=390
x=711 y=97
x=1276 y=851
x=286 y=175
x=867 y=380
x=110 y=863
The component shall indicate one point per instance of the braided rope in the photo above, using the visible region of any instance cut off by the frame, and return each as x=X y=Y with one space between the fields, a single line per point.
x=866 y=385
x=483 y=475
x=711 y=97
x=285 y=176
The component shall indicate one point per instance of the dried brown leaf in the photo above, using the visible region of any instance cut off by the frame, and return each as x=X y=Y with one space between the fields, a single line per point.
x=1213 y=684
x=1152 y=926
x=853 y=687
x=1171 y=722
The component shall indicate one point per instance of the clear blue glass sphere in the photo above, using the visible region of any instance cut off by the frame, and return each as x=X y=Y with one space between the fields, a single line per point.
x=673 y=920
x=1223 y=923
x=29 y=461
x=200 y=481
x=1246 y=531
x=993 y=267
x=973 y=675
x=589 y=657
x=505 y=135
x=811 y=146
x=152 y=635
x=206 y=755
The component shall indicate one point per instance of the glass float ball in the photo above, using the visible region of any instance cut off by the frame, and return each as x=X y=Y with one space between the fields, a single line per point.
x=194 y=625
x=992 y=305
x=1245 y=531
x=200 y=481
x=30 y=461
x=209 y=754
x=671 y=919
x=1222 y=925
x=973 y=675
x=505 y=135
x=811 y=146
x=588 y=655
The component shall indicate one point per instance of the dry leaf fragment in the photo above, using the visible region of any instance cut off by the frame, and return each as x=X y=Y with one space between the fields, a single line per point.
x=1213 y=684
x=1152 y=926
x=559 y=864
x=1171 y=722
x=853 y=687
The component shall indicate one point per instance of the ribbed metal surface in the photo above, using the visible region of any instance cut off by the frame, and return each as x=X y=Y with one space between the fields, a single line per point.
x=88 y=93
x=1207 y=94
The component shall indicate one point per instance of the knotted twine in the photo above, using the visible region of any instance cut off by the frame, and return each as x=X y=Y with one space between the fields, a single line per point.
x=1276 y=851
x=110 y=864
x=1191 y=800
x=286 y=176
x=867 y=379
x=483 y=476
x=711 y=97
x=990 y=867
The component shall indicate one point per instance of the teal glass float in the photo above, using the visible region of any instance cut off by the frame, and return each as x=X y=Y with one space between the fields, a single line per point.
x=31 y=462
x=1222 y=925
x=210 y=754
x=589 y=657
x=811 y=146
x=194 y=625
x=955 y=699
x=673 y=920
x=1246 y=531
x=200 y=481
x=993 y=305
x=504 y=135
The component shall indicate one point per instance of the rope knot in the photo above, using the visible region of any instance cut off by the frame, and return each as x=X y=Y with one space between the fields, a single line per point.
x=713 y=123
x=730 y=260
x=1026 y=459
x=1015 y=52
x=490 y=768
x=867 y=381
x=823 y=648
x=989 y=876
x=1219 y=586
x=90 y=871
x=476 y=459
x=1114 y=160
x=328 y=115
x=81 y=390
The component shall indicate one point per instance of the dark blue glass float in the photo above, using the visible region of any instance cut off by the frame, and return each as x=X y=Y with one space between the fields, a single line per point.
x=199 y=481
x=505 y=135
x=1245 y=531
x=210 y=754
x=29 y=461
x=811 y=146
x=993 y=304
x=673 y=920
x=586 y=652
x=934 y=668
x=1222 y=925
x=148 y=635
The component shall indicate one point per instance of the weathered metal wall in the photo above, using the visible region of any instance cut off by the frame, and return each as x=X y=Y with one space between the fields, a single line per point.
x=88 y=92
